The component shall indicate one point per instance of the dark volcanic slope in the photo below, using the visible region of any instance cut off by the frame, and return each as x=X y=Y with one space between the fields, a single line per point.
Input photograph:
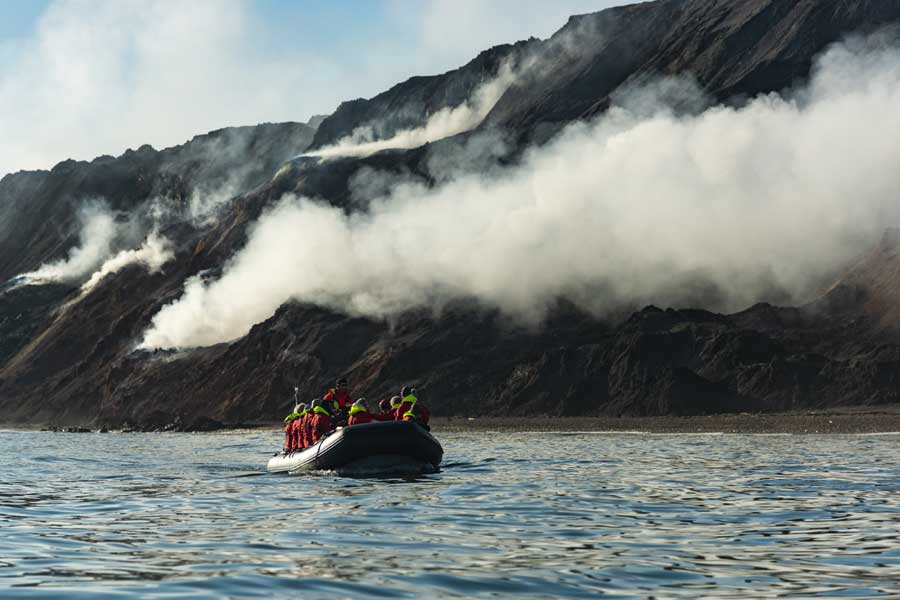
x=73 y=364
x=38 y=208
x=732 y=48
x=409 y=104
x=871 y=286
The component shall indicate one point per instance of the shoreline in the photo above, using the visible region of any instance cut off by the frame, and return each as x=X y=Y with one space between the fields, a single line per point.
x=840 y=420
x=856 y=420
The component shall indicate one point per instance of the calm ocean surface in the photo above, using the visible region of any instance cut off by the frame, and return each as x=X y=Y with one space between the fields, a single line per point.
x=518 y=514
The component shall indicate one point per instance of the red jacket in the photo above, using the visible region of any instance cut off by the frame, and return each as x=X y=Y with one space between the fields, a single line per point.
x=319 y=424
x=360 y=418
x=288 y=435
x=406 y=405
x=343 y=397
x=388 y=416
x=304 y=430
x=299 y=433
x=423 y=417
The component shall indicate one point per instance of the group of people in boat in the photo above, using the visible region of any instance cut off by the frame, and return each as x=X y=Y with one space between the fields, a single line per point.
x=309 y=423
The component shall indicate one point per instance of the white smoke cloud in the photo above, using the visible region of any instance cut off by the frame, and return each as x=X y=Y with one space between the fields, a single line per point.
x=205 y=203
x=98 y=231
x=630 y=208
x=444 y=123
x=153 y=254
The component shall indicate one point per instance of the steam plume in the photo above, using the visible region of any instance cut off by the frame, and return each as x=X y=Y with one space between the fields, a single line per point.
x=98 y=232
x=153 y=253
x=444 y=123
x=638 y=206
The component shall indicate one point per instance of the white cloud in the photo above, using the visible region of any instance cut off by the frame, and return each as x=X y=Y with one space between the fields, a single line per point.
x=99 y=77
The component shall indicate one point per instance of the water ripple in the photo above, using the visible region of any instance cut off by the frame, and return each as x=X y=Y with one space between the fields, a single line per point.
x=525 y=515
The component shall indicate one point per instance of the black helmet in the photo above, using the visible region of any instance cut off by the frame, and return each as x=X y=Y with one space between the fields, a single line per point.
x=404 y=391
x=317 y=403
x=342 y=382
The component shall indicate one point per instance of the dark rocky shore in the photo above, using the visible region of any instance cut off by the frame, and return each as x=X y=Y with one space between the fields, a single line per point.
x=841 y=420
x=884 y=419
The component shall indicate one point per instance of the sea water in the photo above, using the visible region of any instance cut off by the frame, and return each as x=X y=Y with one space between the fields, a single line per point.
x=510 y=514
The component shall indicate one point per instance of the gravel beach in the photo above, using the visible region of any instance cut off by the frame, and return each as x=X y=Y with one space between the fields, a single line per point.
x=880 y=419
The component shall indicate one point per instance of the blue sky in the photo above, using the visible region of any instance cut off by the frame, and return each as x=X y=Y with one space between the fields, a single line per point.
x=17 y=19
x=80 y=78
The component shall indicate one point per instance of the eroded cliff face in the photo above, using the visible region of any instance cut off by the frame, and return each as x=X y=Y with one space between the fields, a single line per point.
x=38 y=209
x=70 y=359
x=409 y=104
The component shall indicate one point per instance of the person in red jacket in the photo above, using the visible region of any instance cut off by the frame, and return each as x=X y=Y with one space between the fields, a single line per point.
x=289 y=432
x=396 y=401
x=305 y=438
x=297 y=442
x=359 y=413
x=304 y=427
x=386 y=414
x=417 y=414
x=385 y=406
x=407 y=399
x=319 y=423
x=413 y=414
x=338 y=398
x=408 y=403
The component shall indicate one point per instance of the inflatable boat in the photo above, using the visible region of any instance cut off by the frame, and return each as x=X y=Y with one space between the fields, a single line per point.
x=374 y=447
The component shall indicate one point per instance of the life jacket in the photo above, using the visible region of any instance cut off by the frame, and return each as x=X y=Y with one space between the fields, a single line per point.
x=405 y=406
x=405 y=412
x=359 y=415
